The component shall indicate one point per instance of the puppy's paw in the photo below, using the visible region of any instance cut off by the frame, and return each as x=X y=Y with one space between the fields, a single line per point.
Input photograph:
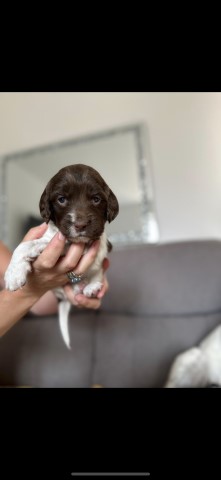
x=92 y=289
x=15 y=276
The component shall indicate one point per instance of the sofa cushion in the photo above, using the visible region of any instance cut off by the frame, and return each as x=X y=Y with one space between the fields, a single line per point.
x=138 y=351
x=165 y=279
x=163 y=299
x=33 y=352
x=110 y=350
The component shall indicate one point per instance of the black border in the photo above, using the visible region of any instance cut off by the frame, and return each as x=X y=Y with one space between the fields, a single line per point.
x=146 y=62
x=165 y=432
x=53 y=432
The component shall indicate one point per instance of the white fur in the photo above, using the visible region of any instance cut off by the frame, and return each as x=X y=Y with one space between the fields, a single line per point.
x=198 y=366
x=27 y=252
x=63 y=311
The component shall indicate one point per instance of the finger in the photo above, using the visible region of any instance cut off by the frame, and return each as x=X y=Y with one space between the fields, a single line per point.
x=87 y=259
x=86 y=302
x=104 y=288
x=35 y=232
x=69 y=292
x=50 y=255
x=72 y=258
x=79 y=300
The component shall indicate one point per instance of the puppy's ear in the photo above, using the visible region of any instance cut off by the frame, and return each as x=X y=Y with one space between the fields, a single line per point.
x=112 y=206
x=44 y=206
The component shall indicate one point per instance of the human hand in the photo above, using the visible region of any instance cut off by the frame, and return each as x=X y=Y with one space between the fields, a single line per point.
x=50 y=268
x=81 y=301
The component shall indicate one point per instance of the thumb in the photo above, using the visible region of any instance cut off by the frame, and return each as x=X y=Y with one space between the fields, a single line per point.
x=35 y=232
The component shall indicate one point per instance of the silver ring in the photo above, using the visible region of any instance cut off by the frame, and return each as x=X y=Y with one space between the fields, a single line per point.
x=73 y=277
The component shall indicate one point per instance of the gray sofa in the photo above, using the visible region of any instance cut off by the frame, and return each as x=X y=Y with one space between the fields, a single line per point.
x=162 y=300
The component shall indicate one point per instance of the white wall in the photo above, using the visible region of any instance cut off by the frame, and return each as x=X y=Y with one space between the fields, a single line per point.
x=27 y=176
x=20 y=204
x=185 y=139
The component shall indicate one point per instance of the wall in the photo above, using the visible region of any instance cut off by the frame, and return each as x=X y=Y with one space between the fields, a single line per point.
x=185 y=140
x=21 y=204
x=27 y=175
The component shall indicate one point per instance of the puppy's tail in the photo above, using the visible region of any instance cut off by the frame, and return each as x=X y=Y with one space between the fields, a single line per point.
x=63 y=310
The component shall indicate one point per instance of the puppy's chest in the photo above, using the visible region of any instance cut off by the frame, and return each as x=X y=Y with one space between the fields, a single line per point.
x=96 y=267
x=102 y=253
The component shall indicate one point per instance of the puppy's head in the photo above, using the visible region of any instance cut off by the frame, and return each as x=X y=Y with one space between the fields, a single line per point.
x=79 y=202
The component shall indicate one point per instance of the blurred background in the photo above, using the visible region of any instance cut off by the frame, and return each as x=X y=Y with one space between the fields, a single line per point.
x=183 y=150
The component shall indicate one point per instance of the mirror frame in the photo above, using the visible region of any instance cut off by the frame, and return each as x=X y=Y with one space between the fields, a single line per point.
x=149 y=231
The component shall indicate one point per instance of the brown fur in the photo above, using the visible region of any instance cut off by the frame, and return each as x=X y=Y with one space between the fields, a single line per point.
x=80 y=190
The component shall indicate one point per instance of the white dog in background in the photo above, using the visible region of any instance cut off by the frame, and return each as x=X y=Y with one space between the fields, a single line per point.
x=198 y=367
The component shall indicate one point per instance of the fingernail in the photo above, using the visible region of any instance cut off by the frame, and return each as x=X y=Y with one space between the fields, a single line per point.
x=61 y=236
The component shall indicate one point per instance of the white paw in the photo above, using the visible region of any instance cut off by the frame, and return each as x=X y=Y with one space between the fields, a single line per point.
x=92 y=289
x=37 y=248
x=20 y=265
x=15 y=275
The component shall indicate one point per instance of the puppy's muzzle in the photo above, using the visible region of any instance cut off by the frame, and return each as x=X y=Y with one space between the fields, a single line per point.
x=80 y=226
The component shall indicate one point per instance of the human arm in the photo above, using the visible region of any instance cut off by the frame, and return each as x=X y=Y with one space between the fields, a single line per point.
x=47 y=304
x=5 y=257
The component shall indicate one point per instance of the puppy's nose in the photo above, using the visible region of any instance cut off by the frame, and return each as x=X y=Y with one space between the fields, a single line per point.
x=80 y=225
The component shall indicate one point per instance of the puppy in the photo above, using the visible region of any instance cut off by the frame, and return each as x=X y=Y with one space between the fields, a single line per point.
x=198 y=367
x=78 y=202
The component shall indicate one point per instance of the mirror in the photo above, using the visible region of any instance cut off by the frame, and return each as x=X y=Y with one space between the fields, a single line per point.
x=120 y=155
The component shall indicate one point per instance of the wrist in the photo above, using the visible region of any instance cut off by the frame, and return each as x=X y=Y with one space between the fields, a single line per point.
x=32 y=294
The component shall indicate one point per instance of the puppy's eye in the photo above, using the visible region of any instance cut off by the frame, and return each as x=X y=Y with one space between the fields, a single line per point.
x=96 y=199
x=62 y=200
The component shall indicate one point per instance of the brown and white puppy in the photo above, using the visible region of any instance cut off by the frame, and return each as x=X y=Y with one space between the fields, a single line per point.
x=78 y=202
